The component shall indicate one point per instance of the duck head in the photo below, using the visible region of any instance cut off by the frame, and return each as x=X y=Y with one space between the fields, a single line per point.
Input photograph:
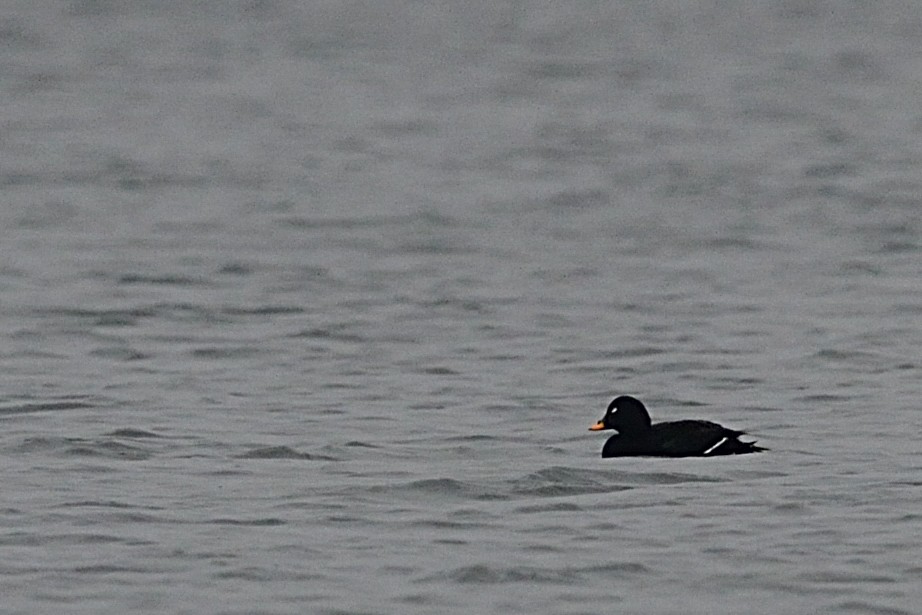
x=625 y=414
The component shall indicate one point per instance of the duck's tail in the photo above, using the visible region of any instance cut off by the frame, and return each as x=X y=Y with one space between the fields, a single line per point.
x=733 y=447
x=750 y=447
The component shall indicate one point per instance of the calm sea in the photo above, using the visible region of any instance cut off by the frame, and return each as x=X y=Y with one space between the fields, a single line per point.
x=306 y=307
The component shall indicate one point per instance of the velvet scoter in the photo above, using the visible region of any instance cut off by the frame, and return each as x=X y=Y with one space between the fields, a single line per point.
x=637 y=436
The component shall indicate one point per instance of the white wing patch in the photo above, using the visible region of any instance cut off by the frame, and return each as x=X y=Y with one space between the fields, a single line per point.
x=721 y=441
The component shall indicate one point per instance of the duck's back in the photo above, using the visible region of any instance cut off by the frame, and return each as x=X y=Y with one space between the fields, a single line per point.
x=692 y=438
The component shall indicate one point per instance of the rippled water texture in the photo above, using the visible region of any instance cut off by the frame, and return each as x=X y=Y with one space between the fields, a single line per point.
x=306 y=307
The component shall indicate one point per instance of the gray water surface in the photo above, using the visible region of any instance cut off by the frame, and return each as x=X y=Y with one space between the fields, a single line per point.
x=307 y=307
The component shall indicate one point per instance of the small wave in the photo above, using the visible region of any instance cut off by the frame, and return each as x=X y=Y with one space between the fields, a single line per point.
x=360 y=444
x=833 y=354
x=615 y=569
x=560 y=481
x=336 y=334
x=45 y=407
x=231 y=352
x=119 y=353
x=161 y=280
x=130 y=432
x=437 y=370
x=322 y=223
x=487 y=574
x=103 y=504
x=280 y=452
x=235 y=268
x=471 y=438
x=860 y=606
x=449 y=487
x=115 y=316
x=791 y=507
x=848 y=578
x=484 y=574
x=669 y=478
x=442 y=524
x=45 y=540
x=82 y=447
x=550 y=482
x=109 y=569
x=269 y=521
x=822 y=398
x=555 y=507
x=263 y=310
x=108 y=449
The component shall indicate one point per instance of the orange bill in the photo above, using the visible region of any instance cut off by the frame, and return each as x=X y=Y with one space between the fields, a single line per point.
x=598 y=426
